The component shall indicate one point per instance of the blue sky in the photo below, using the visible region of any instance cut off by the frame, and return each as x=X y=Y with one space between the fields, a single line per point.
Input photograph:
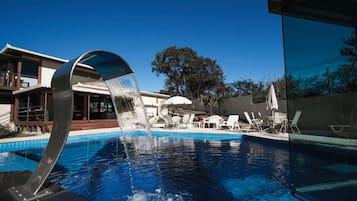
x=241 y=35
x=312 y=47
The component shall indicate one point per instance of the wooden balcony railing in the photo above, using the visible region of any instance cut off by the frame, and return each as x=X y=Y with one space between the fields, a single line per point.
x=8 y=79
x=34 y=113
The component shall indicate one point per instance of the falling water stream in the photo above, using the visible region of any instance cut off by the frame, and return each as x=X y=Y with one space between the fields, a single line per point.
x=131 y=117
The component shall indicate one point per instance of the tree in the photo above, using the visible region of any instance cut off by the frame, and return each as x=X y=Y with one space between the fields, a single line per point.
x=257 y=89
x=259 y=92
x=346 y=75
x=175 y=63
x=190 y=75
x=280 y=88
x=243 y=87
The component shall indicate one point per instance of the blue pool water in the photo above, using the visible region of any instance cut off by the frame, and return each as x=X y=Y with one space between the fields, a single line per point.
x=191 y=166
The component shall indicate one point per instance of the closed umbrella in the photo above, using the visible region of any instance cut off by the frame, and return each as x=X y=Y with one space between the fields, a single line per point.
x=272 y=101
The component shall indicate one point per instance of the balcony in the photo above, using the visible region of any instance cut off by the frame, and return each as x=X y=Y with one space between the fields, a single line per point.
x=8 y=80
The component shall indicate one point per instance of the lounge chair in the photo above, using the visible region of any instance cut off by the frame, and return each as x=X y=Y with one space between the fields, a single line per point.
x=157 y=122
x=259 y=118
x=231 y=123
x=253 y=123
x=293 y=123
x=253 y=115
x=190 y=121
x=170 y=122
x=187 y=121
x=260 y=115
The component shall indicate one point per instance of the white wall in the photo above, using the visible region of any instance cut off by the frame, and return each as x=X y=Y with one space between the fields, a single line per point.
x=4 y=113
x=46 y=76
x=4 y=108
x=151 y=111
x=149 y=100
x=152 y=104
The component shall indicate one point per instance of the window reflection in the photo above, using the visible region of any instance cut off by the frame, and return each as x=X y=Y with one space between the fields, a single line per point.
x=321 y=74
x=29 y=73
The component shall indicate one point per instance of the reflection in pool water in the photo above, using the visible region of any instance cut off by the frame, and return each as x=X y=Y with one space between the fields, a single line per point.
x=191 y=169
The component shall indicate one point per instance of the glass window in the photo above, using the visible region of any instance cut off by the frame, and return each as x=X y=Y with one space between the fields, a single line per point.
x=321 y=74
x=29 y=73
x=101 y=107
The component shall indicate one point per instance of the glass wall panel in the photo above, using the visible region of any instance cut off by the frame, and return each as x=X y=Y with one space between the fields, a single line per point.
x=321 y=74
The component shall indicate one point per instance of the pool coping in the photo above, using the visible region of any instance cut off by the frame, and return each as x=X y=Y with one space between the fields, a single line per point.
x=263 y=135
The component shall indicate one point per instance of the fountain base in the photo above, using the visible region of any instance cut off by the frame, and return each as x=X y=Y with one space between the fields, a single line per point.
x=10 y=179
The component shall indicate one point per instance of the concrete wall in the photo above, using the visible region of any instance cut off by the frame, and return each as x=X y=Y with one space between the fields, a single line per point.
x=317 y=112
x=238 y=105
x=320 y=112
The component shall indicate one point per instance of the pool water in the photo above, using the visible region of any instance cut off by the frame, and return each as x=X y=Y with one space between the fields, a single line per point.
x=191 y=167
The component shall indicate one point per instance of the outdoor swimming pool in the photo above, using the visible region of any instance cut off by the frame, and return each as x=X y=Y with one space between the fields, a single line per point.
x=192 y=166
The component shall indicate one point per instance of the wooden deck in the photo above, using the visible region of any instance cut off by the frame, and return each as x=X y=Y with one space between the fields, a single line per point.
x=46 y=126
x=93 y=124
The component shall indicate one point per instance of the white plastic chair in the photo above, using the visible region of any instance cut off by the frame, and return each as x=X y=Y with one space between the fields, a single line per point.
x=253 y=123
x=260 y=115
x=215 y=120
x=253 y=116
x=293 y=123
x=232 y=122
x=187 y=121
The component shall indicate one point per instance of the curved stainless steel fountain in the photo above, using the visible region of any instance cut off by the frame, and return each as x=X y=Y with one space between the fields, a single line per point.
x=108 y=65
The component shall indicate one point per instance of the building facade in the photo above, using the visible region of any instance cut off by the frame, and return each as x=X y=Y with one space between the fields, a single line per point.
x=26 y=99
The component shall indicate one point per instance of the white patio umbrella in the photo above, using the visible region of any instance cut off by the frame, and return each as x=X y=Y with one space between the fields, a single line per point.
x=272 y=101
x=177 y=100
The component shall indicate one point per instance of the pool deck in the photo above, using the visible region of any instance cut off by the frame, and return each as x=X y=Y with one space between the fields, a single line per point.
x=263 y=135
